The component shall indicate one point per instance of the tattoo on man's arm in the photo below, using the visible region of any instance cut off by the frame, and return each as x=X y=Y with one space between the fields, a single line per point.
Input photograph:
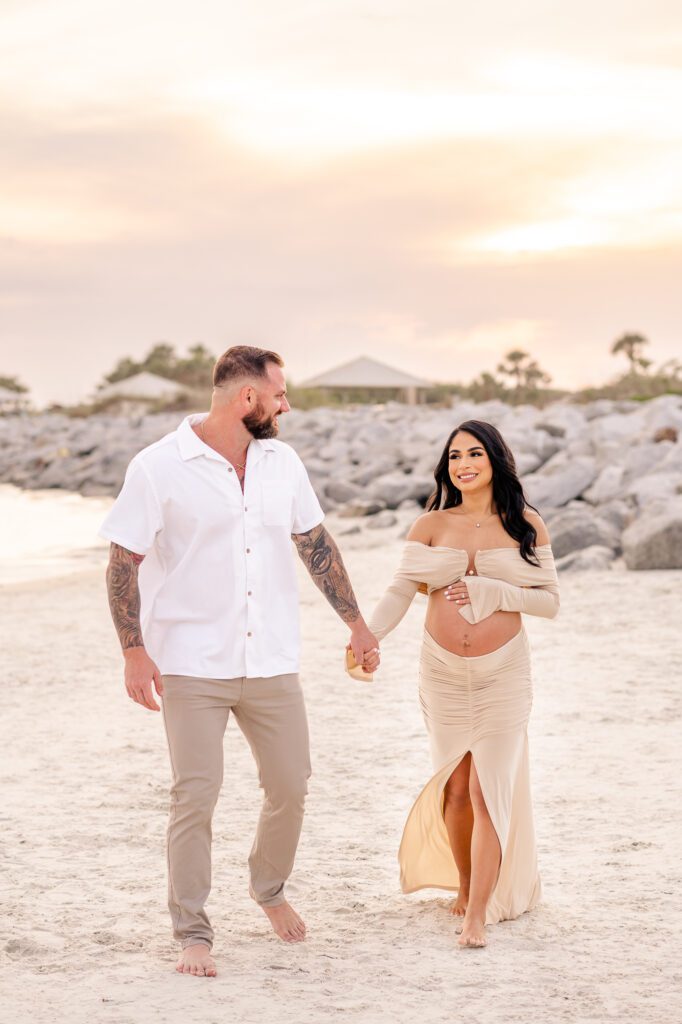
x=323 y=561
x=124 y=595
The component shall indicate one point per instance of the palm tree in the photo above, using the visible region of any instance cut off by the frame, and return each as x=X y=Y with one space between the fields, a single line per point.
x=631 y=346
x=526 y=373
x=514 y=366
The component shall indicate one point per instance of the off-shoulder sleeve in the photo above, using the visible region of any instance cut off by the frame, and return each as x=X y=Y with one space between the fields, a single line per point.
x=397 y=599
x=490 y=595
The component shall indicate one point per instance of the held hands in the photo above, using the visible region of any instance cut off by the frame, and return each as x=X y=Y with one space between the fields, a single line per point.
x=140 y=672
x=458 y=593
x=365 y=647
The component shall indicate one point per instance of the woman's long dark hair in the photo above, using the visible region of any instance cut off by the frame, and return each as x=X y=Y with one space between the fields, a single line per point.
x=508 y=495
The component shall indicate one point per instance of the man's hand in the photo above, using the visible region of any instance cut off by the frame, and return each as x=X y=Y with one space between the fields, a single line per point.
x=365 y=646
x=140 y=672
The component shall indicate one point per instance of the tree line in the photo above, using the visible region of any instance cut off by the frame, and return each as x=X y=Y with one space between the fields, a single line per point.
x=517 y=378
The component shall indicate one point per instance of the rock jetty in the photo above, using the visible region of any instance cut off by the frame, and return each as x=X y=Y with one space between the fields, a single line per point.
x=607 y=475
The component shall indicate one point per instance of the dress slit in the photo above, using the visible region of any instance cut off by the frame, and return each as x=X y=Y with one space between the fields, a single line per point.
x=478 y=706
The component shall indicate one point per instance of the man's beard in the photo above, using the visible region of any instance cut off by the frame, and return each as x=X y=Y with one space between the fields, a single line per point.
x=259 y=426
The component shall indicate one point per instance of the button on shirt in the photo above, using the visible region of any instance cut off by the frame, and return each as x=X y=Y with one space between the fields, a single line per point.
x=218 y=583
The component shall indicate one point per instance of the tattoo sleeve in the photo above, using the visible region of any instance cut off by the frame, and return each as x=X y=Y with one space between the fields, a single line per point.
x=322 y=559
x=124 y=595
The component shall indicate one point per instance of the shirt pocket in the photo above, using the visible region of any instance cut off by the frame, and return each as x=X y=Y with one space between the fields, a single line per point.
x=278 y=499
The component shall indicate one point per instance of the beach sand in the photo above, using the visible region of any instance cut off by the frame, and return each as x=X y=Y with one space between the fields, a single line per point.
x=84 y=934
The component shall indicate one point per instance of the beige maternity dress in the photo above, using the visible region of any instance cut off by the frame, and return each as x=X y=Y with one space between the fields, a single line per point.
x=478 y=704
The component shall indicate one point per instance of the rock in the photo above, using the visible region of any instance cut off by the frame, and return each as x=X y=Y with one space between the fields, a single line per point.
x=361 y=507
x=334 y=451
x=607 y=486
x=617 y=427
x=350 y=530
x=642 y=459
x=553 y=429
x=365 y=474
x=579 y=527
x=594 y=557
x=660 y=413
x=654 y=540
x=560 y=480
x=618 y=513
x=393 y=488
x=527 y=462
x=316 y=467
x=655 y=486
x=605 y=406
x=382 y=520
x=410 y=505
x=341 y=491
x=666 y=434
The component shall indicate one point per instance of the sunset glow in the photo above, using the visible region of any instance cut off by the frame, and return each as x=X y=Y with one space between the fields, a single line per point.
x=342 y=177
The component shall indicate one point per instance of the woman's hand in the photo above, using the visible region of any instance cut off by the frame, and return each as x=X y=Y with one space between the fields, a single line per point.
x=458 y=593
x=372 y=660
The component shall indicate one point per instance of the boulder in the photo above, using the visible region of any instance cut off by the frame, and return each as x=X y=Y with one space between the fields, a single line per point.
x=560 y=480
x=370 y=470
x=664 y=412
x=618 y=513
x=341 y=491
x=607 y=486
x=579 y=527
x=382 y=520
x=563 y=420
x=666 y=434
x=334 y=451
x=361 y=507
x=527 y=462
x=655 y=486
x=393 y=488
x=654 y=540
x=592 y=558
x=621 y=427
x=643 y=458
x=316 y=467
x=349 y=531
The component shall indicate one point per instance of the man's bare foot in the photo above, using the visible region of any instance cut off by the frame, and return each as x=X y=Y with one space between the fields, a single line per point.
x=286 y=923
x=472 y=935
x=196 y=960
x=459 y=907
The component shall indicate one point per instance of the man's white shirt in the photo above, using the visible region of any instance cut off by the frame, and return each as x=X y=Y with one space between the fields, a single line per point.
x=218 y=583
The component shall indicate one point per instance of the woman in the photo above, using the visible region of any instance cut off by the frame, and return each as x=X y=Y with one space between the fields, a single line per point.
x=471 y=828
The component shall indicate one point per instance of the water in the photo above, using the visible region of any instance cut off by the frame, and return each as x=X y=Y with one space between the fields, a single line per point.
x=49 y=533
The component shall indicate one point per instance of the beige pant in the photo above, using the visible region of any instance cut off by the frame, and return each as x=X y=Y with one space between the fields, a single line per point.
x=271 y=714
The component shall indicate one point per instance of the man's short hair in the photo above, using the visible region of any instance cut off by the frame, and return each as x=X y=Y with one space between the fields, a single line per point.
x=243 y=361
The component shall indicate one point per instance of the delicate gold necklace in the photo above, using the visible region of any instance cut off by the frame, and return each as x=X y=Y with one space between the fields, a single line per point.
x=478 y=525
x=237 y=465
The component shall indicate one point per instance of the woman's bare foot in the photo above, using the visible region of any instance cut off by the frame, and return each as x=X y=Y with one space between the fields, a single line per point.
x=472 y=935
x=459 y=907
x=285 y=922
x=196 y=960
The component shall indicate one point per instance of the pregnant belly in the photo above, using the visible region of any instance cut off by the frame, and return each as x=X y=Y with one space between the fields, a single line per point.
x=455 y=634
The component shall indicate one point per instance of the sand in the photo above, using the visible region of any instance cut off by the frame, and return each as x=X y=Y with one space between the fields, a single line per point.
x=84 y=934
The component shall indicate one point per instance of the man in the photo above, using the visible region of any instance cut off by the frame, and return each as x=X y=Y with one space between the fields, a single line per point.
x=203 y=594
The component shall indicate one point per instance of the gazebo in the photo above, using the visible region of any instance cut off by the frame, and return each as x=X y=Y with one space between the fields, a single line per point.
x=12 y=401
x=368 y=375
x=144 y=387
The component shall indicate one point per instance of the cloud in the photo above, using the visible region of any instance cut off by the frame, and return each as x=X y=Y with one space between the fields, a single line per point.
x=427 y=185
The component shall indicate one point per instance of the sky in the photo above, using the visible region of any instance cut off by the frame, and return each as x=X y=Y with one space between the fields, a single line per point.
x=429 y=183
